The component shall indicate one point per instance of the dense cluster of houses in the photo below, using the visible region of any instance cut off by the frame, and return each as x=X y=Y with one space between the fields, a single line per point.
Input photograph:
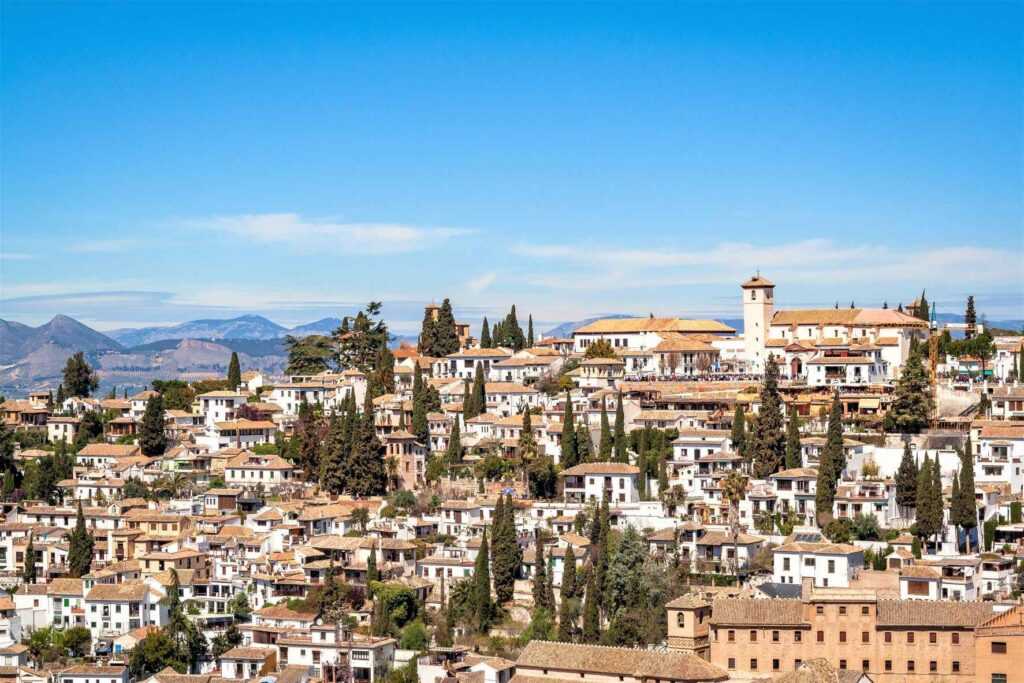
x=241 y=520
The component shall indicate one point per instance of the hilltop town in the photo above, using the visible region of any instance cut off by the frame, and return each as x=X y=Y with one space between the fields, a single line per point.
x=828 y=495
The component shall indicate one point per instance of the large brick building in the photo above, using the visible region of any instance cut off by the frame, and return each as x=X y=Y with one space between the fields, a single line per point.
x=891 y=640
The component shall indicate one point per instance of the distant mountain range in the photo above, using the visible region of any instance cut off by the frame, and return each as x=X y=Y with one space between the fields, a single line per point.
x=242 y=327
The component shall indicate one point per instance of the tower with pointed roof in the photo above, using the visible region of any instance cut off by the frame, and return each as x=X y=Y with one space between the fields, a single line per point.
x=758 y=307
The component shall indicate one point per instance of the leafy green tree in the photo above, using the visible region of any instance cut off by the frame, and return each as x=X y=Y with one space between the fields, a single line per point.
x=152 y=438
x=912 y=403
x=485 y=611
x=310 y=355
x=793 y=453
x=79 y=377
x=80 y=547
x=906 y=480
x=832 y=461
x=239 y=607
x=485 y=335
x=176 y=394
x=602 y=348
x=542 y=477
x=739 y=431
x=624 y=583
x=606 y=435
x=223 y=642
x=381 y=378
x=568 y=456
x=361 y=339
x=234 y=371
x=154 y=653
x=414 y=636
x=621 y=455
x=60 y=398
x=768 y=443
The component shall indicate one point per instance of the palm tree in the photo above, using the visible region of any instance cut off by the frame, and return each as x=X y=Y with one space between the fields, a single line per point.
x=391 y=465
x=173 y=484
x=734 y=488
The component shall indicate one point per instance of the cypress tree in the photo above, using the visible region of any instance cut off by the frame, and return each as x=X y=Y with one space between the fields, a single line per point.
x=485 y=335
x=739 y=431
x=540 y=579
x=496 y=333
x=446 y=337
x=80 y=546
x=29 y=575
x=911 y=406
x=606 y=435
x=453 y=455
x=621 y=455
x=568 y=455
x=234 y=372
x=906 y=481
x=420 y=426
x=529 y=332
x=513 y=332
x=954 y=507
x=367 y=476
x=152 y=439
x=503 y=562
x=332 y=459
x=469 y=411
x=793 y=456
x=584 y=445
x=527 y=442
x=479 y=391
x=569 y=575
x=968 y=517
x=768 y=443
x=482 y=587
x=565 y=626
x=60 y=397
x=601 y=561
x=372 y=575
x=970 y=318
x=426 y=340
x=832 y=461
x=591 y=613
x=929 y=500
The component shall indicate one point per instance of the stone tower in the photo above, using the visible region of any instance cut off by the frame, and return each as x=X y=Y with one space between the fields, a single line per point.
x=758 y=307
x=689 y=625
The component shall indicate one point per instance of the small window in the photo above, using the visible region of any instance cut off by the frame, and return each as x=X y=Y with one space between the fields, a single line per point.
x=865 y=611
x=910 y=637
x=842 y=664
x=842 y=608
x=798 y=637
x=753 y=636
x=998 y=648
x=753 y=664
x=732 y=663
x=888 y=665
x=775 y=636
x=910 y=666
x=888 y=636
x=865 y=665
x=999 y=678
x=842 y=636
x=956 y=666
x=819 y=610
x=821 y=636
x=933 y=637
x=776 y=665
x=933 y=666
x=956 y=638
x=865 y=636
x=732 y=636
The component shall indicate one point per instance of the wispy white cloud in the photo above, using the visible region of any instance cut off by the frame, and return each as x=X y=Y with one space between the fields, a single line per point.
x=808 y=261
x=482 y=282
x=103 y=246
x=304 y=234
x=15 y=256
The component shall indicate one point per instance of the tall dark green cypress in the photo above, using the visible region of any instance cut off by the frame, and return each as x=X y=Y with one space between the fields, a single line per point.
x=606 y=435
x=29 y=573
x=621 y=455
x=482 y=587
x=469 y=410
x=591 y=612
x=569 y=575
x=152 y=438
x=234 y=372
x=479 y=391
x=970 y=319
x=967 y=510
x=80 y=547
x=420 y=425
x=503 y=542
x=739 y=431
x=485 y=335
x=767 y=444
x=372 y=575
x=446 y=336
x=568 y=455
x=540 y=579
x=332 y=458
x=906 y=481
x=367 y=476
x=832 y=461
x=426 y=339
x=453 y=454
x=529 y=332
x=793 y=454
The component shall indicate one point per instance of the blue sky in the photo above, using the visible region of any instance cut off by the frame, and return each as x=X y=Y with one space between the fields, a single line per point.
x=167 y=162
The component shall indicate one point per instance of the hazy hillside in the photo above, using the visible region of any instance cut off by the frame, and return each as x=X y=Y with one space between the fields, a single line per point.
x=242 y=327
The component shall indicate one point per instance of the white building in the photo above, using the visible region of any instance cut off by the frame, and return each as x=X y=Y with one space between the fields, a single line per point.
x=829 y=565
x=644 y=333
x=594 y=481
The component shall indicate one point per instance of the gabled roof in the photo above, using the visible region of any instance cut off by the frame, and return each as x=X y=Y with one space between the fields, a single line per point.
x=638 y=325
x=599 y=659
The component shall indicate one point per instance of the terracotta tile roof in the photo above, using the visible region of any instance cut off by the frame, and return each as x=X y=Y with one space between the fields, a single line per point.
x=757 y=281
x=109 y=450
x=65 y=587
x=507 y=388
x=676 y=666
x=1008 y=431
x=249 y=653
x=748 y=611
x=933 y=613
x=586 y=468
x=118 y=592
x=635 y=325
